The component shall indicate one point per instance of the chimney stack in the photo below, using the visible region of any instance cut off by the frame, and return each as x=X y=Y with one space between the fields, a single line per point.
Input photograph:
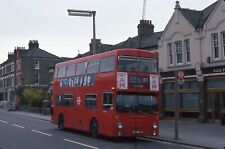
x=177 y=6
x=145 y=27
x=33 y=44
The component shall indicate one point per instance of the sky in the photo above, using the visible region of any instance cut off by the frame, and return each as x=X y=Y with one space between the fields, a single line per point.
x=48 y=22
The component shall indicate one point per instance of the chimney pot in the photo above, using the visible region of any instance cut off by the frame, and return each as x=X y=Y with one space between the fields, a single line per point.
x=177 y=6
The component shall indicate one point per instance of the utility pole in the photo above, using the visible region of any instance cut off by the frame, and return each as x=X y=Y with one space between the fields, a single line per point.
x=144 y=7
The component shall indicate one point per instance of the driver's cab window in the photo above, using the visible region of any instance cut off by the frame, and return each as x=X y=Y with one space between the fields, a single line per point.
x=107 y=101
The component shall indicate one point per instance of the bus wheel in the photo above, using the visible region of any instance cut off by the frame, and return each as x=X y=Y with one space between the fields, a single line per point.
x=94 y=128
x=61 y=122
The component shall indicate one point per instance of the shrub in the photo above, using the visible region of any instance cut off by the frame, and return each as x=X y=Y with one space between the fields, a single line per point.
x=33 y=96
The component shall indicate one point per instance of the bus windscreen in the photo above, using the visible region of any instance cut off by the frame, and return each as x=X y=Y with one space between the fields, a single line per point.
x=137 y=64
x=131 y=103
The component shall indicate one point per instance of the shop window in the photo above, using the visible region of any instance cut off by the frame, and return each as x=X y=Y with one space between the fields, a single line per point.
x=223 y=101
x=170 y=101
x=219 y=83
x=190 y=101
x=191 y=85
x=168 y=86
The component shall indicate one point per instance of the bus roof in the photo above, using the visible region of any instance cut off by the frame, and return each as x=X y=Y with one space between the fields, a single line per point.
x=128 y=52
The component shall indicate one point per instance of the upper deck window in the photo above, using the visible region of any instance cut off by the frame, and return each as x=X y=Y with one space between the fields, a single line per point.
x=107 y=64
x=81 y=68
x=137 y=64
x=62 y=71
x=93 y=66
x=71 y=70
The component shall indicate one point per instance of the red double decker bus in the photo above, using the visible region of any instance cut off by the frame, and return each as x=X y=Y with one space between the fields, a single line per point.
x=114 y=94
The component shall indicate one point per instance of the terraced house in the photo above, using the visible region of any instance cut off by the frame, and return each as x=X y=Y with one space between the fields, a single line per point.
x=26 y=68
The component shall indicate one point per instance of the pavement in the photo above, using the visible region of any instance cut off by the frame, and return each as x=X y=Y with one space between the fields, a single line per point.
x=191 y=132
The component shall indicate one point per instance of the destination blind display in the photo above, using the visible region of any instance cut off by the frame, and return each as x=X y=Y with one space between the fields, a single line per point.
x=124 y=81
x=138 y=82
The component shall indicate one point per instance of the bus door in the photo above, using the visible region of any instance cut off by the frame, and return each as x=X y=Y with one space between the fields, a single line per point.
x=107 y=111
x=66 y=108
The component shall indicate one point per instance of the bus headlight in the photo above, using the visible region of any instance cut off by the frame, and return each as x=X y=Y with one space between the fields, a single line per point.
x=155 y=126
x=119 y=125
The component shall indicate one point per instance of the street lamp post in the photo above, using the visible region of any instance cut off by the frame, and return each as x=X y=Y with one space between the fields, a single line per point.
x=86 y=13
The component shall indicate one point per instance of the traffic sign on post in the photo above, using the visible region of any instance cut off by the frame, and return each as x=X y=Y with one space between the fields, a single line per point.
x=180 y=77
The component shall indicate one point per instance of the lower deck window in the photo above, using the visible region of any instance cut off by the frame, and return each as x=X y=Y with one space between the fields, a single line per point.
x=91 y=101
x=64 y=100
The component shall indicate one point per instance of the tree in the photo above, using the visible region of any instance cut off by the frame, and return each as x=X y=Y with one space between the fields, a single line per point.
x=34 y=96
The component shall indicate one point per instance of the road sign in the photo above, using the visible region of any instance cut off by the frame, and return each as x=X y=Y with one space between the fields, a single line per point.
x=180 y=75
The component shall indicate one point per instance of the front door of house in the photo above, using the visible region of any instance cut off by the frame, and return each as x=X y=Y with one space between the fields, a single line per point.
x=218 y=100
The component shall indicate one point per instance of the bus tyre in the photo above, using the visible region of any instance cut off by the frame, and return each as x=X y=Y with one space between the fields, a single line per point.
x=61 y=122
x=94 y=128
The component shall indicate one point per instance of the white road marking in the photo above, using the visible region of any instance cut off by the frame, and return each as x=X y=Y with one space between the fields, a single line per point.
x=4 y=122
x=80 y=144
x=42 y=133
x=18 y=126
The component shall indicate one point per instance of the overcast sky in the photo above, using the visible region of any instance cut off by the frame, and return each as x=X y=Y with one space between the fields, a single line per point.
x=48 y=22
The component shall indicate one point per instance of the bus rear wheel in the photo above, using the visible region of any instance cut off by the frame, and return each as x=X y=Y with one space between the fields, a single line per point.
x=94 y=128
x=61 y=122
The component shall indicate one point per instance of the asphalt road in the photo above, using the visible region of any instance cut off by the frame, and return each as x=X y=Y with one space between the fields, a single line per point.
x=18 y=132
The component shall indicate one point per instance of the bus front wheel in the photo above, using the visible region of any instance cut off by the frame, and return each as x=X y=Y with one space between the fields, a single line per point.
x=94 y=128
x=61 y=122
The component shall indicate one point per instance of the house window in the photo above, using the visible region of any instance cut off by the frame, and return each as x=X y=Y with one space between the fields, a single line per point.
x=215 y=46
x=170 y=51
x=37 y=65
x=187 y=50
x=179 y=52
x=36 y=79
x=223 y=43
